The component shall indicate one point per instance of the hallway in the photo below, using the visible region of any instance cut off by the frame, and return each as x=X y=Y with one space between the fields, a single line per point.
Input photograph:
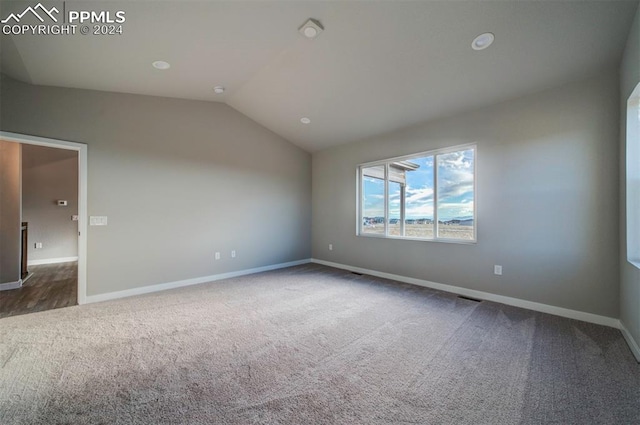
x=50 y=286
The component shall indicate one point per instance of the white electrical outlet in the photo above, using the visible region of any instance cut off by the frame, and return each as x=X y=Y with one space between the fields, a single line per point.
x=38 y=245
x=233 y=254
x=330 y=247
x=497 y=270
x=217 y=255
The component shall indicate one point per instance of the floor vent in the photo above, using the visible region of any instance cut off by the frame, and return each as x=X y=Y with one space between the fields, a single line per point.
x=469 y=298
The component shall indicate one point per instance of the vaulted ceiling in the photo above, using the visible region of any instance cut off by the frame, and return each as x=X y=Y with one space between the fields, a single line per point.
x=376 y=67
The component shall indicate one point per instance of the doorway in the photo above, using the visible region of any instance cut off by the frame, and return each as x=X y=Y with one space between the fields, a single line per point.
x=64 y=269
x=47 y=286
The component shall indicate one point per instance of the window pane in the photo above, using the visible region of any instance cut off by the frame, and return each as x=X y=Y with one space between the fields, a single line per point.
x=395 y=191
x=633 y=177
x=455 y=195
x=373 y=214
x=419 y=198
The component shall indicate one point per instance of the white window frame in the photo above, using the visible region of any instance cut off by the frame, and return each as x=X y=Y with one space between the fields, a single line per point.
x=436 y=224
x=633 y=177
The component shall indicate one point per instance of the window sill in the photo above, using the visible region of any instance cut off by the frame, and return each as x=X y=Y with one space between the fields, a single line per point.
x=635 y=263
x=441 y=240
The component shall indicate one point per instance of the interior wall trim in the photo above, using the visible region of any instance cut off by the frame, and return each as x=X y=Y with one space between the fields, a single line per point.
x=10 y=285
x=633 y=344
x=516 y=302
x=51 y=261
x=188 y=282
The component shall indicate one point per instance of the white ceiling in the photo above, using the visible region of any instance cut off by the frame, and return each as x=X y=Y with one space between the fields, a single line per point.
x=378 y=66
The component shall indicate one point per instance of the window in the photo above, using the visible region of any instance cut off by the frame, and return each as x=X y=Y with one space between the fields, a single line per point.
x=424 y=196
x=633 y=177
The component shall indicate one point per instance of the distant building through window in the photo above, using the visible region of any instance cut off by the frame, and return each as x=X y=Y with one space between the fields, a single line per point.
x=430 y=196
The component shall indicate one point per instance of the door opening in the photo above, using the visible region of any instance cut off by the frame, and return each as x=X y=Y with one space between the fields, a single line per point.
x=81 y=150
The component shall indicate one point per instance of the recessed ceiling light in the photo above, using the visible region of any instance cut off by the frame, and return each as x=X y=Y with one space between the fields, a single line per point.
x=218 y=89
x=310 y=32
x=311 y=28
x=161 y=65
x=482 y=41
x=305 y=120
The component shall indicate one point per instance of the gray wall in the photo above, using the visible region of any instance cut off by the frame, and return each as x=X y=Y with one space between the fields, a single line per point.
x=178 y=181
x=630 y=276
x=49 y=175
x=547 y=199
x=9 y=212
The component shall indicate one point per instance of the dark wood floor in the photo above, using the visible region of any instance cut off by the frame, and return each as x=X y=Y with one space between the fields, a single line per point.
x=50 y=286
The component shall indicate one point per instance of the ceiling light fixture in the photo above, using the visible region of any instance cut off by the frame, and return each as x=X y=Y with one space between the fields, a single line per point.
x=218 y=89
x=305 y=120
x=482 y=41
x=161 y=65
x=311 y=29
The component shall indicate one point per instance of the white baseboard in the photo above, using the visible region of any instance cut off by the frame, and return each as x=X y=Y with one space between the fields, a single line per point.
x=633 y=344
x=516 y=302
x=51 y=261
x=188 y=282
x=10 y=285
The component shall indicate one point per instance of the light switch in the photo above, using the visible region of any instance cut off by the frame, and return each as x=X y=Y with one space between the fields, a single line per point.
x=98 y=220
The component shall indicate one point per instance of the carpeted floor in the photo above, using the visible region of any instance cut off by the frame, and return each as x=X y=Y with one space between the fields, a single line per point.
x=311 y=345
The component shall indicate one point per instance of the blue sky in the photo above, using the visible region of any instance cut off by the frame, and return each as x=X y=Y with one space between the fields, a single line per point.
x=455 y=189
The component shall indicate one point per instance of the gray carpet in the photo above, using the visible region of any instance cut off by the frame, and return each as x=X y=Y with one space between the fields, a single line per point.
x=311 y=345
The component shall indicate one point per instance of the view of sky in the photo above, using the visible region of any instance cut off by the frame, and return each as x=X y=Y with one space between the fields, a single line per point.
x=455 y=189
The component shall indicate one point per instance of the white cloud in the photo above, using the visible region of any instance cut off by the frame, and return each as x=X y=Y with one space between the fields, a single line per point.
x=454 y=183
x=447 y=211
x=461 y=160
x=419 y=195
x=419 y=211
